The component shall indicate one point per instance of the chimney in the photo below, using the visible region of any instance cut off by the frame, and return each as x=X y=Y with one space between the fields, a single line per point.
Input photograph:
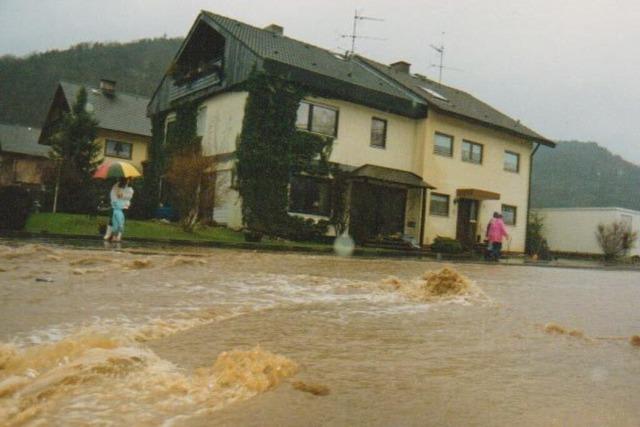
x=108 y=87
x=275 y=29
x=401 y=67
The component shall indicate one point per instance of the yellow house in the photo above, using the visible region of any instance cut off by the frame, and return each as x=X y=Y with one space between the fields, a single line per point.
x=124 y=130
x=22 y=160
x=424 y=159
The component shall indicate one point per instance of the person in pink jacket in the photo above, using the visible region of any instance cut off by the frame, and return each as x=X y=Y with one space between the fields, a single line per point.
x=496 y=231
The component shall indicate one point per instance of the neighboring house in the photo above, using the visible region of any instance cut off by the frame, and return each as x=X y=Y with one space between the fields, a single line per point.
x=573 y=230
x=22 y=160
x=124 y=130
x=435 y=160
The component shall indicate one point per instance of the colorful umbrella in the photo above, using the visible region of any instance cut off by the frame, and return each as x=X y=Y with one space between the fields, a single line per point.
x=116 y=169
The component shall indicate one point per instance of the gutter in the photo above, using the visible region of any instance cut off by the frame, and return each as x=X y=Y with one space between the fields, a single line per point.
x=526 y=227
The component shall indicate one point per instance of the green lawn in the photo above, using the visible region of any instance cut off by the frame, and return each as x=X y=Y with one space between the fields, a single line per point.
x=83 y=225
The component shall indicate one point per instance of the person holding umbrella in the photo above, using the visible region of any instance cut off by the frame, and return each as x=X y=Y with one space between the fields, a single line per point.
x=120 y=195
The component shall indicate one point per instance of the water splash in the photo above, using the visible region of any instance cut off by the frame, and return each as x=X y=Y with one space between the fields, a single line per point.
x=88 y=378
x=444 y=285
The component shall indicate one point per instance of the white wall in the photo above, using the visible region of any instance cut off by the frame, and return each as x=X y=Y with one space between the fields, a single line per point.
x=574 y=229
x=224 y=115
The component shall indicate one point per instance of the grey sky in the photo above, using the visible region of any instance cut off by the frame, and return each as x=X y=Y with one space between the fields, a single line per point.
x=569 y=69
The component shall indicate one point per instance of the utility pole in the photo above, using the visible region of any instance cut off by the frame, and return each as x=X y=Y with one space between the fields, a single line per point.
x=354 y=34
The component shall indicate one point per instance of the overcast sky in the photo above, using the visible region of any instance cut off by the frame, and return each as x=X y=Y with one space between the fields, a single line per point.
x=570 y=69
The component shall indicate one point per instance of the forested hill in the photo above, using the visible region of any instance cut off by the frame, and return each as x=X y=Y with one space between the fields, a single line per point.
x=27 y=84
x=583 y=174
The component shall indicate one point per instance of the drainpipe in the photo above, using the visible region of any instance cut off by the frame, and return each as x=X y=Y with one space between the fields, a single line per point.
x=526 y=228
x=422 y=216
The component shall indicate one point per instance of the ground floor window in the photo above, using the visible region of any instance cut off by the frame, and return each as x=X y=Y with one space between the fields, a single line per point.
x=439 y=205
x=309 y=195
x=509 y=214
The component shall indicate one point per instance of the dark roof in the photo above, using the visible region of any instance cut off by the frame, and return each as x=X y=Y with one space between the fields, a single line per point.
x=122 y=112
x=396 y=176
x=380 y=86
x=456 y=102
x=22 y=140
x=295 y=53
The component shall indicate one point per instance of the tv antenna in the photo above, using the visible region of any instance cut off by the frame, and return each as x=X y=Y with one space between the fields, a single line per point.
x=440 y=50
x=354 y=34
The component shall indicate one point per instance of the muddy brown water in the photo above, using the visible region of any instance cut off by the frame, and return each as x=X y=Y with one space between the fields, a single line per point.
x=227 y=337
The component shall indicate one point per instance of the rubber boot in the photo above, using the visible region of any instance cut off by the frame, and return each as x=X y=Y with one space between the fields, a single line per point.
x=107 y=235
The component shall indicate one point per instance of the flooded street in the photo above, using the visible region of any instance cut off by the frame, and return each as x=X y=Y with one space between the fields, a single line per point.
x=225 y=337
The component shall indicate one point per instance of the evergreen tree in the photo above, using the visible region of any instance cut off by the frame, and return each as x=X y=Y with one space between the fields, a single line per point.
x=74 y=151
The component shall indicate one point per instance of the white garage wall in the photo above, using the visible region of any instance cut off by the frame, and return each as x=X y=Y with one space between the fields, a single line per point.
x=574 y=229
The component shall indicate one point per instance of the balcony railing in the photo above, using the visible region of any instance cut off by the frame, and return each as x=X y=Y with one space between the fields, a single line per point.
x=184 y=86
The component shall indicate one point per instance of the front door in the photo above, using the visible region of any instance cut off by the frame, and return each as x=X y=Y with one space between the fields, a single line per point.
x=467 y=222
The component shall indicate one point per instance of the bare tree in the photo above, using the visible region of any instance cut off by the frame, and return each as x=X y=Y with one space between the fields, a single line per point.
x=615 y=239
x=192 y=179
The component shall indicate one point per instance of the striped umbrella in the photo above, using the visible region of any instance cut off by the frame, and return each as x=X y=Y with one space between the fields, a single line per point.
x=116 y=169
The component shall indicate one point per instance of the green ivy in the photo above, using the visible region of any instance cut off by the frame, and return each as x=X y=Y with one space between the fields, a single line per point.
x=271 y=150
x=184 y=135
x=148 y=199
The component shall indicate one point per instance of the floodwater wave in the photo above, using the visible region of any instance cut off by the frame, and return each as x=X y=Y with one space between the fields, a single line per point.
x=172 y=339
x=100 y=378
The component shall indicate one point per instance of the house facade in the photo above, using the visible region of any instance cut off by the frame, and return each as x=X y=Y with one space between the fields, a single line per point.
x=424 y=159
x=124 y=130
x=23 y=161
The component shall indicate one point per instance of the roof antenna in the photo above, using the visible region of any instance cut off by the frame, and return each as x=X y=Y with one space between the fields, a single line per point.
x=354 y=35
x=440 y=50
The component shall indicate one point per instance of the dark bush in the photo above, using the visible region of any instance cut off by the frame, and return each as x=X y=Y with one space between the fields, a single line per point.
x=301 y=229
x=15 y=207
x=446 y=245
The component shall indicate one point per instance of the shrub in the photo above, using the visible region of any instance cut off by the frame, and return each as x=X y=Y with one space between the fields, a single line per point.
x=446 y=245
x=300 y=229
x=615 y=239
x=15 y=207
x=536 y=244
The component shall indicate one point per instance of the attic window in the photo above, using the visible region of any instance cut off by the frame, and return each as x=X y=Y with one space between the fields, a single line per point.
x=433 y=93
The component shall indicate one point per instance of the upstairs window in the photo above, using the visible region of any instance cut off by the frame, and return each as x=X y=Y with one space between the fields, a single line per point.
x=472 y=152
x=439 y=205
x=308 y=195
x=318 y=119
x=443 y=145
x=509 y=214
x=378 y=133
x=511 y=161
x=118 y=149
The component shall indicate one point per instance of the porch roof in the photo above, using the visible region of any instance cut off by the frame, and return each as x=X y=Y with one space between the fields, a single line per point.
x=476 y=194
x=396 y=176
